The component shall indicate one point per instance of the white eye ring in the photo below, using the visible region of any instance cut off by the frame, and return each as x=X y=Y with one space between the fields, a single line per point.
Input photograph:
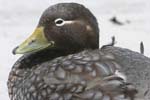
x=59 y=22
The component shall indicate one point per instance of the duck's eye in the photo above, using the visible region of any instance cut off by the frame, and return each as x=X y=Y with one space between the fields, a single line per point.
x=59 y=22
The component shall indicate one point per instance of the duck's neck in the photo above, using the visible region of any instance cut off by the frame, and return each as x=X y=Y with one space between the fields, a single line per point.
x=29 y=60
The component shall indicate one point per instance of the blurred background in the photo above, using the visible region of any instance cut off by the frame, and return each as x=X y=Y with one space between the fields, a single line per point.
x=127 y=20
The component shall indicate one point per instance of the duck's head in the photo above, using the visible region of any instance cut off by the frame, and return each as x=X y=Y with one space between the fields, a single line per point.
x=64 y=26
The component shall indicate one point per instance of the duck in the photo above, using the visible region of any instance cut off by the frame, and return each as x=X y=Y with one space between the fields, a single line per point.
x=62 y=60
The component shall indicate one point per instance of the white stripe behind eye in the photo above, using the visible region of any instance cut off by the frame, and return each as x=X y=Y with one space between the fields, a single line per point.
x=69 y=22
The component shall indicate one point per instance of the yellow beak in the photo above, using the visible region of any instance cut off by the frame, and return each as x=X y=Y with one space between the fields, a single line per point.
x=36 y=42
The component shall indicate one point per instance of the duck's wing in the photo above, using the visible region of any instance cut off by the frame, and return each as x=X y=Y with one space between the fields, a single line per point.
x=90 y=75
x=136 y=67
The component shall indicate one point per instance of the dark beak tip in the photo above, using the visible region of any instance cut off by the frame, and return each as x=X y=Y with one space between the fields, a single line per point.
x=14 y=50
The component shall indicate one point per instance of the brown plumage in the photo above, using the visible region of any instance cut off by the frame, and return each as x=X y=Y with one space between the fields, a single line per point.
x=73 y=68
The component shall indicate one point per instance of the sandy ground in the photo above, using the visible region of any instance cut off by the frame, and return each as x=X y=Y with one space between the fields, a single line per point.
x=19 y=18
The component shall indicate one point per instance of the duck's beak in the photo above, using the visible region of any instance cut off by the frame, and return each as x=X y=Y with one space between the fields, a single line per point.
x=36 y=42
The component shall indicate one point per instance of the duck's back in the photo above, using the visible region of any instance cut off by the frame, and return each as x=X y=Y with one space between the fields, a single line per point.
x=89 y=75
x=136 y=67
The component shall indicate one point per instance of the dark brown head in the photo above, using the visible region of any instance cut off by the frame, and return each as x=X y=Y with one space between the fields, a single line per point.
x=64 y=26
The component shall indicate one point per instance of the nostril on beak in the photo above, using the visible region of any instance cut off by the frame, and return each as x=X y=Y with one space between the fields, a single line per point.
x=14 y=50
x=31 y=42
